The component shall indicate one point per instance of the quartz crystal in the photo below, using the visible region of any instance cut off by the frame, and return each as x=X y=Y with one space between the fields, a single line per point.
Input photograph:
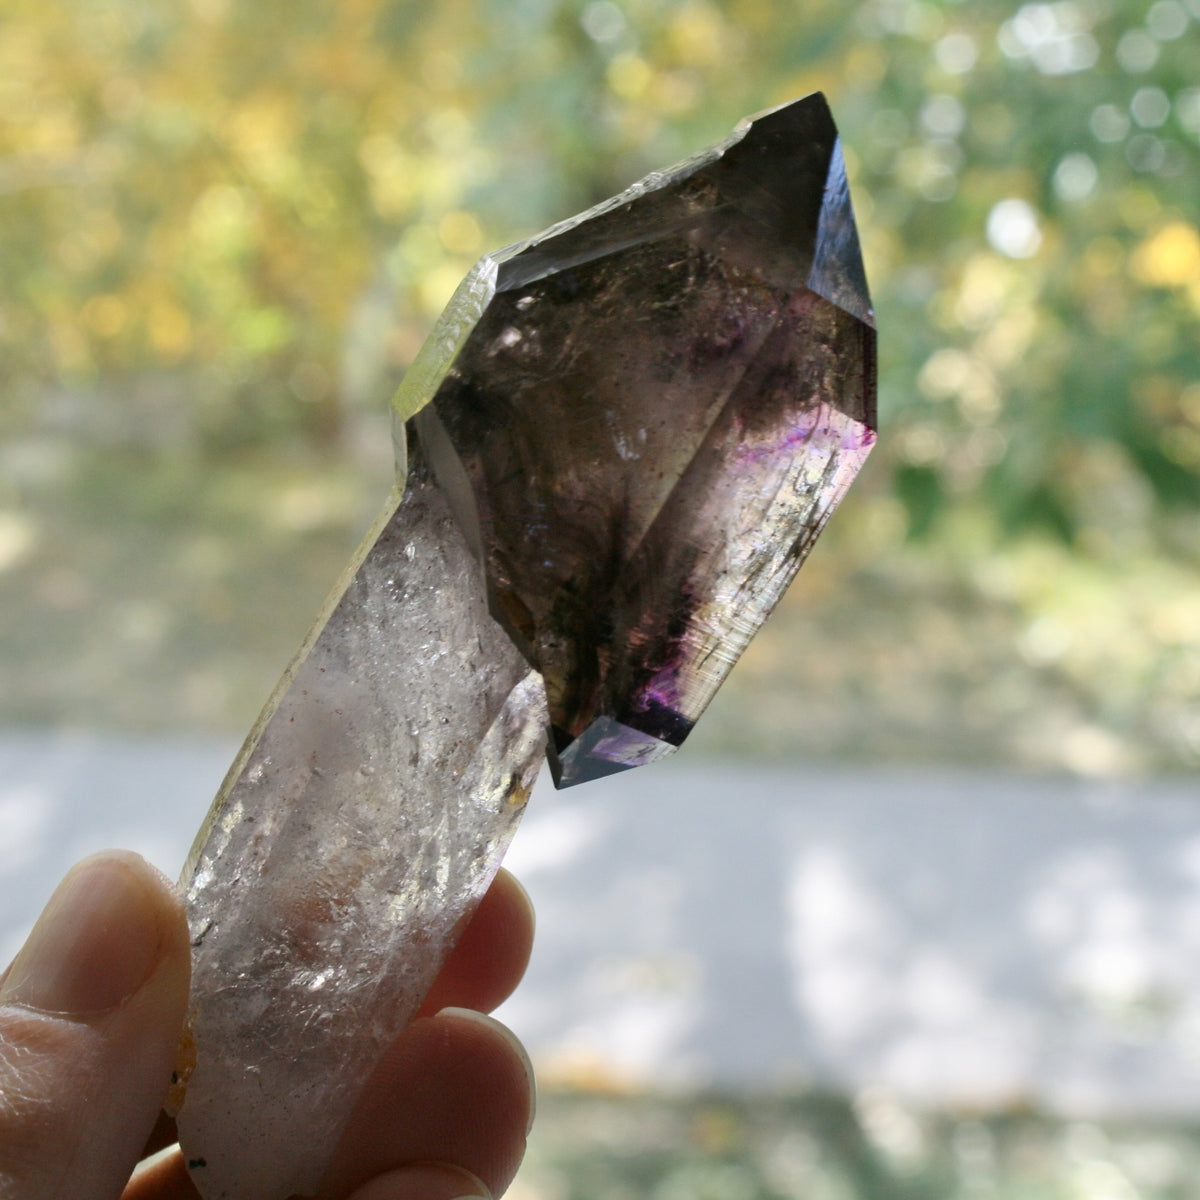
x=655 y=413
x=626 y=434
x=365 y=819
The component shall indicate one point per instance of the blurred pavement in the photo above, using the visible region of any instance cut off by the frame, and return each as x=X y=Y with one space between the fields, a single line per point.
x=960 y=939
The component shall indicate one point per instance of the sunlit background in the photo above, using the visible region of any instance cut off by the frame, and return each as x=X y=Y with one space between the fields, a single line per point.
x=226 y=226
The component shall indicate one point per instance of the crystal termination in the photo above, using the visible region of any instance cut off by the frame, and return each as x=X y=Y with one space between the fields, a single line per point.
x=657 y=410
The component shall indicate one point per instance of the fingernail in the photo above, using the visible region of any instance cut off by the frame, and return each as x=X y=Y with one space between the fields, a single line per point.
x=524 y=894
x=424 y=1181
x=95 y=944
x=514 y=1041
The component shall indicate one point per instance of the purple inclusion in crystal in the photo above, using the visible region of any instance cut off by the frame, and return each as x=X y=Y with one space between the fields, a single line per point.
x=652 y=420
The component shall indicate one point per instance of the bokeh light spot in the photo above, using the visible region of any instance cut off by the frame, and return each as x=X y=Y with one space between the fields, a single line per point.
x=1056 y=38
x=1150 y=107
x=1167 y=20
x=956 y=53
x=1012 y=228
x=1187 y=109
x=1168 y=258
x=460 y=233
x=1137 y=51
x=603 y=21
x=629 y=76
x=943 y=115
x=1075 y=177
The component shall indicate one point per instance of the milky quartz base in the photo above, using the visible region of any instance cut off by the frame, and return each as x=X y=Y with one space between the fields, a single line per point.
x=364 y=819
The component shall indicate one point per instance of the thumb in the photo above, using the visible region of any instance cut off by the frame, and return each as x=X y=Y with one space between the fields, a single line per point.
x=90 y=1014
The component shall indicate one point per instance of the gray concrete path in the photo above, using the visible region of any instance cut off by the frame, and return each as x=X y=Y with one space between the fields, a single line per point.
x=957 y=938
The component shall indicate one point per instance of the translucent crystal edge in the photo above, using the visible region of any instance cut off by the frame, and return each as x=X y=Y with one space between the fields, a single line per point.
x=652 y=182
x=445 y=340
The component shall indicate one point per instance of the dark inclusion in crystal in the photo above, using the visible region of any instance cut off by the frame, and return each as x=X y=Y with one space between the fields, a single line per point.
x=651 y=422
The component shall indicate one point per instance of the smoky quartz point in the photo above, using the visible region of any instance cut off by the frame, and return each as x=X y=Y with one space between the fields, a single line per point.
x=619 y=443
x=656 y=413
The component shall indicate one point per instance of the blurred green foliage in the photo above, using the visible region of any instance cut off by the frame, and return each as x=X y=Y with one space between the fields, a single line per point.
x=268 y=203
x=225 y=228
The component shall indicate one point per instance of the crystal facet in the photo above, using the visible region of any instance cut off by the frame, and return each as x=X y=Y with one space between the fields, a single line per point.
x=627 y=434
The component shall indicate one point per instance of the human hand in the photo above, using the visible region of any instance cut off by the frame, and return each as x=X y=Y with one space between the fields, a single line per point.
x=90 y=1015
